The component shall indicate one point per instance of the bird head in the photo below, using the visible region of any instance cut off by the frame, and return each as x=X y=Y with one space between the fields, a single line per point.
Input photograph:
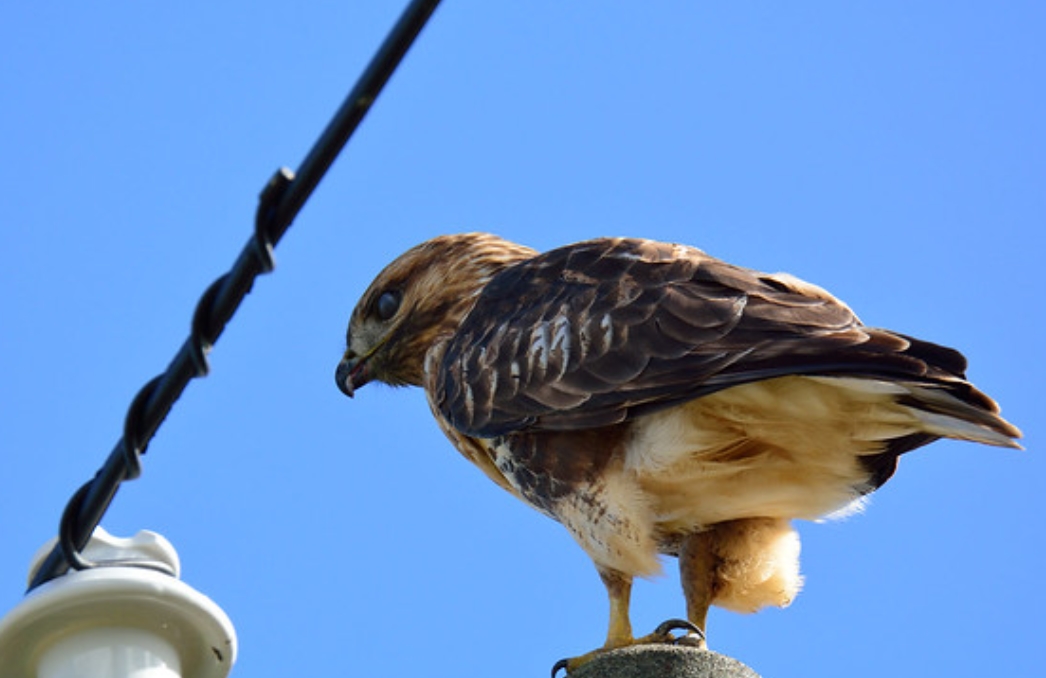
x=415 y=301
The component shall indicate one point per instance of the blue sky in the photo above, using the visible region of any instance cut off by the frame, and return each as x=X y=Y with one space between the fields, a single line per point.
x=892 y=152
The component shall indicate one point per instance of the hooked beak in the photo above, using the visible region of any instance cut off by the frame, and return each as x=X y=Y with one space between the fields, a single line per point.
x=352 y=373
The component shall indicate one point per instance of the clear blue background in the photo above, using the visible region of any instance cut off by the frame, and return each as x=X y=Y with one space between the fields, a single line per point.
x=893 y=152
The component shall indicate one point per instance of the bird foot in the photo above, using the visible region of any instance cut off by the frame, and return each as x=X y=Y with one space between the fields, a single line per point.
x=663 y=634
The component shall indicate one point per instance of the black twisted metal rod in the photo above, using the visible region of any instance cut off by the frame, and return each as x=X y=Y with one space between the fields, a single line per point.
x=279 y=203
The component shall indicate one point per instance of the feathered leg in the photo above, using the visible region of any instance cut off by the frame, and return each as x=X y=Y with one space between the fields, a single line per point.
x=742 y=565
x=697 y=572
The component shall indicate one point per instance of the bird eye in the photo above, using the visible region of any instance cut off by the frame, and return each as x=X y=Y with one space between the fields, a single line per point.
x=388 y=304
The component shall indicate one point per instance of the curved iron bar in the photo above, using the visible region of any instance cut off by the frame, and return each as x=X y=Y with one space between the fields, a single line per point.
x=279 y=203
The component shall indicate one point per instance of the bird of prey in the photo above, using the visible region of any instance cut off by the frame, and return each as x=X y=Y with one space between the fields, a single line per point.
x=656 y=400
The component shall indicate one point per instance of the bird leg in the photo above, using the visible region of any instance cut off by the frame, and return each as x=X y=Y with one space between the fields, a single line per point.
x=741 y=565
x=619 y=589
x=697 y=572
x=619 y=631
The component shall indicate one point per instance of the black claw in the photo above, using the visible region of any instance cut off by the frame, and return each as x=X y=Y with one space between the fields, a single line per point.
x=666 y=627
x=561 y=664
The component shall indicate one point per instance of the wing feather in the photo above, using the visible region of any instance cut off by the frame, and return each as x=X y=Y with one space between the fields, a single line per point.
x=594 y=333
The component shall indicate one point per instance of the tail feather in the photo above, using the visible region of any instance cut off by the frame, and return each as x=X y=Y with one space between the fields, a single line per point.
x=943 y=414
x=947 y=410
x=961 y=429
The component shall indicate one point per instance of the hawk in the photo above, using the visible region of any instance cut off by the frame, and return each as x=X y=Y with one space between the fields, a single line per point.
x=656 y=400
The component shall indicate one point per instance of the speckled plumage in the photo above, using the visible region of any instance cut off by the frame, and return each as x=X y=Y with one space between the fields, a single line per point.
x=655 y=400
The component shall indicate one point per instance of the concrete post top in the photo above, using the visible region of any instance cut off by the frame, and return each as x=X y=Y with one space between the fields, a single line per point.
x=663 y=661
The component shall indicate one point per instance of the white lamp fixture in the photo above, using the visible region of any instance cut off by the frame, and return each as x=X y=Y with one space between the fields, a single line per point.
x=130 y=617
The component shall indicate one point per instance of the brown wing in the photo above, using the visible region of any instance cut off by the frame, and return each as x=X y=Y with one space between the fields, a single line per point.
x=594 y=333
